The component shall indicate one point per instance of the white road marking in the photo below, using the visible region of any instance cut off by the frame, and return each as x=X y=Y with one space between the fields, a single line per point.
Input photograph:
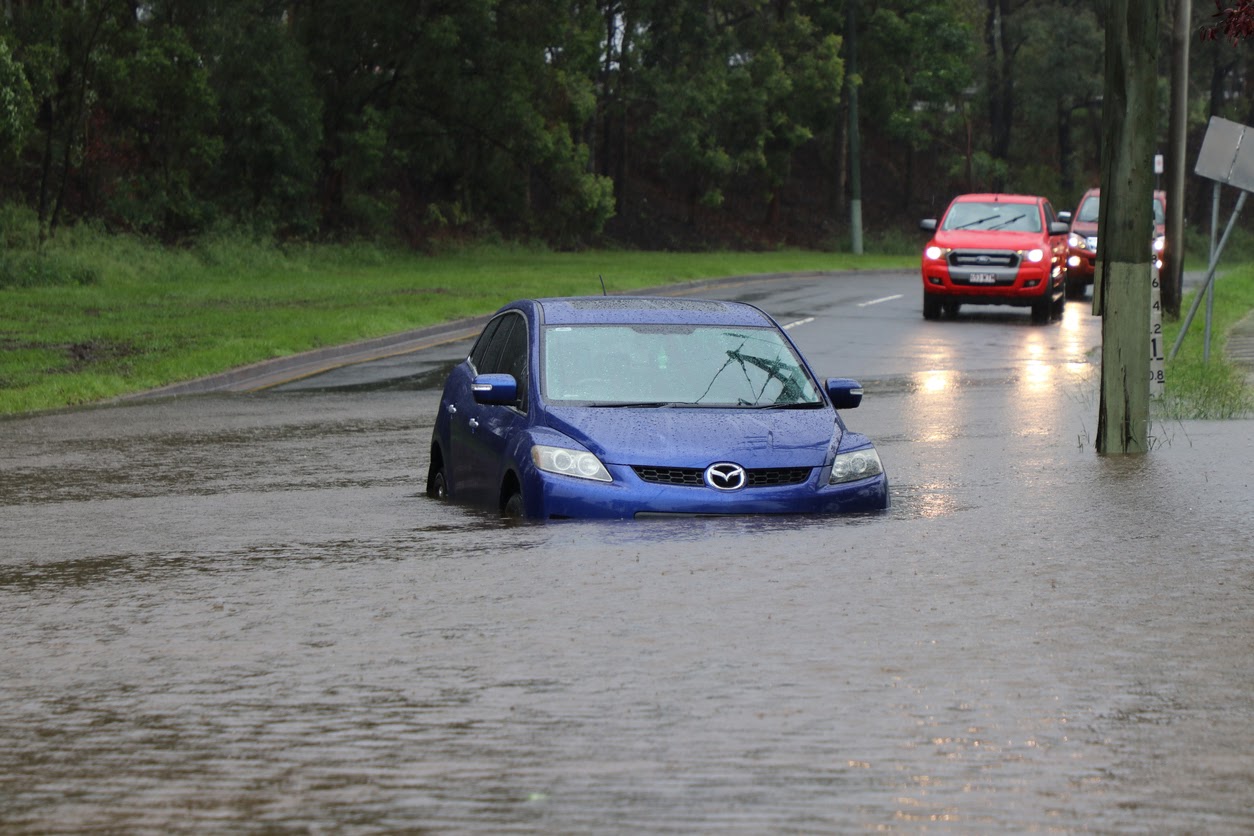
x=792 y=325
x=877 y=301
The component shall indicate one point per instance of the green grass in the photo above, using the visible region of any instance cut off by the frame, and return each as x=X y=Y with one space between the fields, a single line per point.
x=146 y=316
x=1218 y=388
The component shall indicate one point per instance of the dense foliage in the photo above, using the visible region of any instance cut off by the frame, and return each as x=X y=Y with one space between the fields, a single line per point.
x=665 y=123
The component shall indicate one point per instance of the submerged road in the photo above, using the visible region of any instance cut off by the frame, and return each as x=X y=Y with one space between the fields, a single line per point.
x=238 y=612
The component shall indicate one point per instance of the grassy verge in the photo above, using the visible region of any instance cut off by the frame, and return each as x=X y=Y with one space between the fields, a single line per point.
x=100 y=316
x=1218 y=388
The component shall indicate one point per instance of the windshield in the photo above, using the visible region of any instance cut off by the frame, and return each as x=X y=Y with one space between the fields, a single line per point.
x=1089 y=209
x=994 y=216
x=1092 y=205
x=668 y=365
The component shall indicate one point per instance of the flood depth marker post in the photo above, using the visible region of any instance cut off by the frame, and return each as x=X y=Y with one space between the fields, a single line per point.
x=1158 y=363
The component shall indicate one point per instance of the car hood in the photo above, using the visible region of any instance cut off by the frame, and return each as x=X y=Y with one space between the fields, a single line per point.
x=985 y=240
x=693 y=437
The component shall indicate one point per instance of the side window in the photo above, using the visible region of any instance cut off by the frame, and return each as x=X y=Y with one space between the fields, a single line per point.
x=483 y=344
x=504 y=351
x=1049 y=214
x=492 y=357
x=513 y=358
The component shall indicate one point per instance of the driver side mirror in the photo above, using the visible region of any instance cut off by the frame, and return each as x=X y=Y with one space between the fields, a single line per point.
x=498 y=389
x=845 y=393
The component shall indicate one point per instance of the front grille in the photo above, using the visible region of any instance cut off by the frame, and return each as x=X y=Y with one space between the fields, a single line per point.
x=694 y=477
x=977 y=259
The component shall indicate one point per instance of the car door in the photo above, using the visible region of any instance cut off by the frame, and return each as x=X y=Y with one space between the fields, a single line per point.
x=485 y=430
x=1057 y=245
x=461 y=412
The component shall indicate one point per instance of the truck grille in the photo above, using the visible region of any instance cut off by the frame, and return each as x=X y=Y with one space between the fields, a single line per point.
x=977 y=259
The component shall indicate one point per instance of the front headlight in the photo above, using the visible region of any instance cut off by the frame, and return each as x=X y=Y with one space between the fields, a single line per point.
x=1076 y=241
x=1160 y=243
x=859 y=464
x=1034 y=255
x=934 y=252
x=578 y=463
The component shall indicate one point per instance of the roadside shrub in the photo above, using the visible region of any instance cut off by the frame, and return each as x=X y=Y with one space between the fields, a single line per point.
x=1238 y=250
x=19 y=228
x=28 y=269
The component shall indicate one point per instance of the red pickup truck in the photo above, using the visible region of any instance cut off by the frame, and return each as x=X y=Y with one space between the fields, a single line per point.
x=996 y=249
x=1083 y=240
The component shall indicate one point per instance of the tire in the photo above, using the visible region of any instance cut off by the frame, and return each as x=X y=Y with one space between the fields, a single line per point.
x=1059 y=308
x=1042 y=310
x=1075 y=288
x=513 y=507
x=931 y=307
x=950 y=309
x=437 y=483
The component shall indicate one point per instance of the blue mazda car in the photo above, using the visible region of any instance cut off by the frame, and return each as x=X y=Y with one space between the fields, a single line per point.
x=621 y=407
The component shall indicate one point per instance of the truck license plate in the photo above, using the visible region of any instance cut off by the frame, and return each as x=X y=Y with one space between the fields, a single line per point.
x=983 y=278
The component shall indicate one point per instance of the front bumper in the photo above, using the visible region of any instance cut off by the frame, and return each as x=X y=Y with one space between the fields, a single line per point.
x=1081 y=265
x=991 y=277
x=627 y=497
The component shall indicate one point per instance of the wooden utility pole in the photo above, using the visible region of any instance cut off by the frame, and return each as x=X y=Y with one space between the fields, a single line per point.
x=1126 y=224
x=1173 y=262
x=855 y=136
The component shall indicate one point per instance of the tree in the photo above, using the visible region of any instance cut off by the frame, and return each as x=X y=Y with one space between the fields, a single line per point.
x=152 y=142
x=1236 y=22
x=61 y=48
x=16 y=105
x=1060 y=79
x=268 y=115
x=917 y=67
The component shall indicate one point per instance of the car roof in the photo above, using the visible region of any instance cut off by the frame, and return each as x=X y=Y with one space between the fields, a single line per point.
x=993 y=197
x=1159 y=194
x=649 y=310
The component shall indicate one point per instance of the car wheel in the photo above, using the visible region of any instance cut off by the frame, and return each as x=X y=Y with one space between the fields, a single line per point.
x=1041 y=310
x=513 y=507
x=950 y=309
x=1059 y=307
x=1075 y=288
x=931 y=307
x=437 y=484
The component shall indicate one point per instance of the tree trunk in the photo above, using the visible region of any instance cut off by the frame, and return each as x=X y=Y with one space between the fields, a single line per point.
x=1000 y=83
x=1067 y=178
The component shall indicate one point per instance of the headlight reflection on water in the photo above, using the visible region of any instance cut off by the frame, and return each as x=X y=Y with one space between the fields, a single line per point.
x=940 y=419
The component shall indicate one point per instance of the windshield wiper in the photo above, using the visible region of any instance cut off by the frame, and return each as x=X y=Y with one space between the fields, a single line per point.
x=790 y=405
x=991 y=217
x=1007 y=221
x=640 y=404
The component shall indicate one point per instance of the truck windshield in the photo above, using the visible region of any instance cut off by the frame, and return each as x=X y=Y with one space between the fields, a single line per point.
x=994 y=216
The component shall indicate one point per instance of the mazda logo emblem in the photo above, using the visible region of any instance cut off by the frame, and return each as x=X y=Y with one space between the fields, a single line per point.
x=725 y=476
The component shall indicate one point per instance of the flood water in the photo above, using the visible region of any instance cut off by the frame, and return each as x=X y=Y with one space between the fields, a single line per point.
x=238 y=613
